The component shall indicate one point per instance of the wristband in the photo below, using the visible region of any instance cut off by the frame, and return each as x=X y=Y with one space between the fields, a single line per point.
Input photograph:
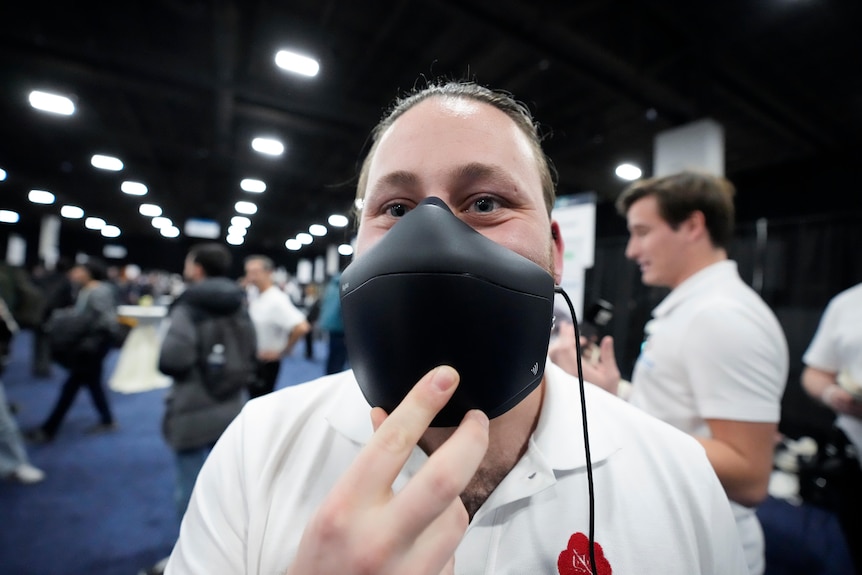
x=624 y=389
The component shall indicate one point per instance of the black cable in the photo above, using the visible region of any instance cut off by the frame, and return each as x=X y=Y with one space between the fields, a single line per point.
x=593 y=568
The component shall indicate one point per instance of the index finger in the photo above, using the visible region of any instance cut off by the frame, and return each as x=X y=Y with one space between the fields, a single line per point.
x=379 y=462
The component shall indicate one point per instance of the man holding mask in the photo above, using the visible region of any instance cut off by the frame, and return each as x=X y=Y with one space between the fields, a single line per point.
x=303 y=482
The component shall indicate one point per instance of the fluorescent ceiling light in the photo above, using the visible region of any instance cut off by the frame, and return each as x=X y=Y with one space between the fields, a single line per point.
x=2 y=174
x=293 y=244
x=235 y=240
x=111 y=231
x=317 y=230
x=304 y=238
x=53 y=103
x=104 y=162
x=297 y=63
x=94 y=223
x=40 y=197
x=337 y=220
x=237 y=231
x=241 y=221
x=628 y=172
x=345 y=249
x=150 y=210
x=253 y=186
x=9 y=217
x=72 y=212
x=133 y=188
x=161 y=222
x=268 y=146
x=245 y=208
x=170 y=231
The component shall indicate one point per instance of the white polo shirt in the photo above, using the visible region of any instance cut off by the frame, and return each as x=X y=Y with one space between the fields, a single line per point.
x=837 y=347
x=274 y=317
x=659 y=507
x=714 y=350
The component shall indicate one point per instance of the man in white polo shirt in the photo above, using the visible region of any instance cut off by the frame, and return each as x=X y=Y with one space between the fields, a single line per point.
x=312 y=480
x=715 y=360
x=277 y=322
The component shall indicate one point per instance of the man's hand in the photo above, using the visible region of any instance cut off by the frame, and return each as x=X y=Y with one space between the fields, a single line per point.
x=599 y=368
x=364 y=528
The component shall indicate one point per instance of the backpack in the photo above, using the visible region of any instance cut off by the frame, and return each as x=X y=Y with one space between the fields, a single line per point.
x=67 y=329
x=227 y=353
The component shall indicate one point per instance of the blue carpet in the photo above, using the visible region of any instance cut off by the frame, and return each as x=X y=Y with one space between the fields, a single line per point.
x=106 y=506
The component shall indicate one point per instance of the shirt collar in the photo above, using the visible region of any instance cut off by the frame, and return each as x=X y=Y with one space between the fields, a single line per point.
x=694 y=284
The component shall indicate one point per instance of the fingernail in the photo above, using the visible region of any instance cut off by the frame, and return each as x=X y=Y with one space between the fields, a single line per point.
x=479 y=417
x=445 y=377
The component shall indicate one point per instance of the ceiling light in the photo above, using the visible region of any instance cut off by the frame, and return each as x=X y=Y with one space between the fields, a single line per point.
x=297 y=63
x=628 y=172
x=72 y=212
x=337 y=220
x=40 y=197
x=253 y=186
x=237 y=231
x=53 y=103
x=304 y=238
x=114 y=252
x=345 y=249
x=94 y=223
x=150 y=210
x=133 y=188
x=293 y=244
x=241 y=221
x=9 y=217
x=358 y=203
x=317 y=230
x=111 y=231
x=161 y=222
x=170 y=231
x=104 y=162
x=245 y=208
x=268 y=146
x=235 y=240
x=2 y=174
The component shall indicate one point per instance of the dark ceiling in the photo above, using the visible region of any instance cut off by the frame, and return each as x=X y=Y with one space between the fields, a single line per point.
x=177 y=89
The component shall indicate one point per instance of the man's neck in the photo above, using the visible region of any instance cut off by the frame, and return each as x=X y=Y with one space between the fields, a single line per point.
x=508 y=437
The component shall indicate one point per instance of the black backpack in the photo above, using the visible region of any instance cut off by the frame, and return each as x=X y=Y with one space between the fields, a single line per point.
x=227 y=353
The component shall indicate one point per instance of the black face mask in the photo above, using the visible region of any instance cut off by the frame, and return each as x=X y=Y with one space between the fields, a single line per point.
x=434 y=291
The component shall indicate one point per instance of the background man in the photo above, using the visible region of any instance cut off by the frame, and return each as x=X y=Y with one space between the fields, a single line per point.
x=715 y=360
x=277 y=322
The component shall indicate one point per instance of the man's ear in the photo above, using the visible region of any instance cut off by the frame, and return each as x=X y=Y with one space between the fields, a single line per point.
x=557 y=249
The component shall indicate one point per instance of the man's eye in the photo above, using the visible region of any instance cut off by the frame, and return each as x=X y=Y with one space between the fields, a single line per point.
x=397 y=210
x=485 y=205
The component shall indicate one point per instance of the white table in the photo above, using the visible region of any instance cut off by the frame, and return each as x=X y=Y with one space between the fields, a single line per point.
x=137 y=364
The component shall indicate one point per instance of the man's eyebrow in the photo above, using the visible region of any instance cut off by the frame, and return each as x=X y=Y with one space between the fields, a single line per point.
x=477 y=171
x=399 y=179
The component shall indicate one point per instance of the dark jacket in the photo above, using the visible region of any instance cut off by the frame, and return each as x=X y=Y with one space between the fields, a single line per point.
x=193 y=418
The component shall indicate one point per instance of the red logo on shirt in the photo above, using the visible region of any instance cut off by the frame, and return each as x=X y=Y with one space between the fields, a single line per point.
x=575 y=560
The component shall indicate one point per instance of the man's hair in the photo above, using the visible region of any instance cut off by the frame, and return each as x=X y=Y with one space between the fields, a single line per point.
x=679 y=195
x=265 y=261
x=518 y=112
x=214 y=258
x=96 y=268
